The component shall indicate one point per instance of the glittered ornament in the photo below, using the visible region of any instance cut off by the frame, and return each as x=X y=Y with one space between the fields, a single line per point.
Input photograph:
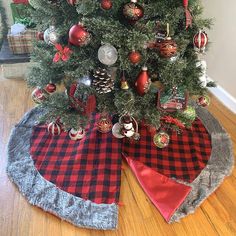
x=203 y=101
x=104 y=124
x=76 y=134
x=51 y=88
x=39 y=95
x=124 y=84
x=161 y=139
x=167 y=48
x=107 y=54
x=106 y=4
x=78 y=35
x=189 y=113
x=143 y=82
x=133 y=11
x=200 y=41
x=54 y=128
x=51 y=36
x=135 y=57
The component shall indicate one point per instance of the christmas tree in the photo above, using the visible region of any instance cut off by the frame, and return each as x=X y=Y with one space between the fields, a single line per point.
x=135 y=59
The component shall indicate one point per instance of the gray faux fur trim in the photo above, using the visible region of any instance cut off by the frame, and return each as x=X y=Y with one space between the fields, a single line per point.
x=46 y=195
x=219 y=166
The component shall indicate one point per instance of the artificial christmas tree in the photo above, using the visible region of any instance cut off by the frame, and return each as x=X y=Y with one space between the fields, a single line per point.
x=102 y=40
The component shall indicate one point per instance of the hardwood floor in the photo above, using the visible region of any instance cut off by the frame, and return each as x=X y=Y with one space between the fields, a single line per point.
x=138 y=217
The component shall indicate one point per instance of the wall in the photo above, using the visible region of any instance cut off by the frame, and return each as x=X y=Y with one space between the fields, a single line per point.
x=221 y=56
x=6 y=5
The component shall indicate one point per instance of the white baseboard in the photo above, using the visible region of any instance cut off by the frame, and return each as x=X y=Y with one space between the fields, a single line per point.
x=227 y=99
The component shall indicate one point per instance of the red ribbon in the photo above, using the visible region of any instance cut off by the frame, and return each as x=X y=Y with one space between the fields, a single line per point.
x=188 y=16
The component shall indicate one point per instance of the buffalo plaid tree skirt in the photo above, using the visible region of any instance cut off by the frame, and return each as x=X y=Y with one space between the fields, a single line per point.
x=89 y=171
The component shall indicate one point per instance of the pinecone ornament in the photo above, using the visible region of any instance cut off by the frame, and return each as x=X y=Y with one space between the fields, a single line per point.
x=103 y=82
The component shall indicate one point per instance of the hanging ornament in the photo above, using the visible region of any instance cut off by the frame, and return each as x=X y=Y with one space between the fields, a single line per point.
x=107 y=54
x=54 y=128
x=81 y=99
x=133 y=11
x=106 y=4
x=172 y=120
x=124 y=84
x=103 y=82
x=161 y=139
x=129 y=127
x=135 y=57
x=188 y=16
x=40 y=36
x=200 y=41
x=86 y=80
x=203 y=101
x=143 y=82
x=72 y=2
x=76 y=134
x=78 y=35
x=167 y=47
x=51 y=36
x=189 y=113
x=116 y=130
x=104 y=124
x=173 y=100
x=39 y=95
x=51 y=88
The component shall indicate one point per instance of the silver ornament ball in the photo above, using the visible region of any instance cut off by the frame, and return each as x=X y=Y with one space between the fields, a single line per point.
x=51 y=36
x=107 y=54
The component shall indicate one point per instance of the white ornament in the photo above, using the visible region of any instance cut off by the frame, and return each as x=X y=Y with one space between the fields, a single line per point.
x=86 y=80
x=76 y=134
x=116 y=130
x=107 y=54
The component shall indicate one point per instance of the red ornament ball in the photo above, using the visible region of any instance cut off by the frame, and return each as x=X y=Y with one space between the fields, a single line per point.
x=39 y=95
x=200 y=40
x=104 y=125
x=143 y=82
x=203 y=101
x=135 y=57
x=51 y=88
x=54 y=128
x=78 y=35
x=40 y=35
x=72 y=2
x=133 y=11
x=106 y=4
x=167 y=48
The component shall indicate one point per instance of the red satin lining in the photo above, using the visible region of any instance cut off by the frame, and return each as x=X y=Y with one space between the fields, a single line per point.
x=166 y=194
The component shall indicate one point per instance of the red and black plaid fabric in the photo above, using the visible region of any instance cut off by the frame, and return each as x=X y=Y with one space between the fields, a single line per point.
x=90 y=168
x=184 y=158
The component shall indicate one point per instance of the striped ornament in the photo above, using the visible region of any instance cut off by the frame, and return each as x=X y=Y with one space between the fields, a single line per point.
x=76 y=134
x=200 y=40
x=54 y=128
